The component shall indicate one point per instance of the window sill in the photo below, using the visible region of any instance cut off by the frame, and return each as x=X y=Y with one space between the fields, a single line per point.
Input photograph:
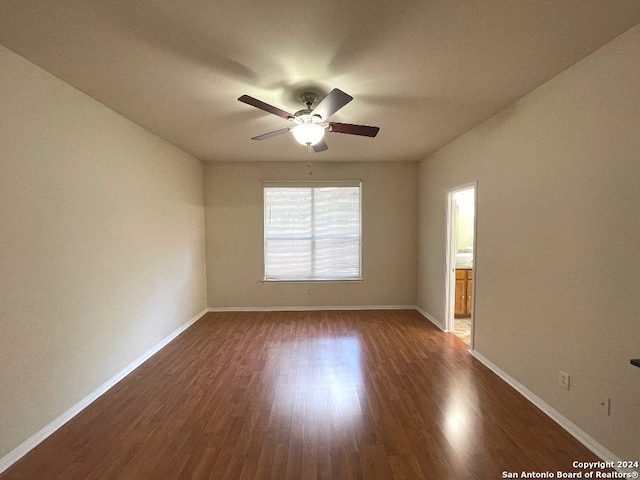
x=317 y=280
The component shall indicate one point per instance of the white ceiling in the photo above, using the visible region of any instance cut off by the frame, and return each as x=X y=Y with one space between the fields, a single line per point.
x=425 y=72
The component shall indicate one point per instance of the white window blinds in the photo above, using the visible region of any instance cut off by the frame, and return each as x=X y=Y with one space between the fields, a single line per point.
x=312 y=232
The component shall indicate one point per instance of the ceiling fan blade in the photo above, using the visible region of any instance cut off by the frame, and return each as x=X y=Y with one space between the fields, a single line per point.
x=351 y=129
x=254 y=102
x=264 y=136
x=321 y=146
x=332 y=103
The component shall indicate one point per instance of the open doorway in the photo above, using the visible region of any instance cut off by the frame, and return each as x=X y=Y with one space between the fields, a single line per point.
x=461 y=241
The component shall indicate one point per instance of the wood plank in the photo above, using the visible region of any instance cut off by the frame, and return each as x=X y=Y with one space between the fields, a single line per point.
x=306 y=395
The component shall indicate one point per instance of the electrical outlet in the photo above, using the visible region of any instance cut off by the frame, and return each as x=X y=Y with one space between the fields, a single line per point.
x=604 y=403
x=309 y=291
x=564 y=379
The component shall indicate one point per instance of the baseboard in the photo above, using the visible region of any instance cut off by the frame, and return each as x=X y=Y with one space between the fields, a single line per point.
x=33 y=441
x=314 y=308
x=552 y=413
x=430 y=317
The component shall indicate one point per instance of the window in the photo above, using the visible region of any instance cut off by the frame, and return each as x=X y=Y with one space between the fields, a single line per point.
x=312 y=231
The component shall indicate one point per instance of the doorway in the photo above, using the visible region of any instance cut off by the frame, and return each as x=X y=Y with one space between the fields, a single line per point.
x=460 y=261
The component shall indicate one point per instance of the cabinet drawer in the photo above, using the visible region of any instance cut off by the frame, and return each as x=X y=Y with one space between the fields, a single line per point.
x=461 y=274
x=469 y=274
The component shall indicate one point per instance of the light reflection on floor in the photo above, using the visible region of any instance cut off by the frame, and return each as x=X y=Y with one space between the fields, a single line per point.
x=319 y=379
x=459 y=424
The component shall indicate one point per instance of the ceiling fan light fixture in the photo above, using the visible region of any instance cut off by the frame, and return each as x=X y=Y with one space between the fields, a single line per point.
x=308 y=133
x=311 y=123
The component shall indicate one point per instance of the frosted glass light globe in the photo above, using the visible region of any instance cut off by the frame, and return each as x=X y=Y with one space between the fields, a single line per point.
x=308 y=133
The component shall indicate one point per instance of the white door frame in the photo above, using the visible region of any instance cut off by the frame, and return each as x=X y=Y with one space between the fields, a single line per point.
x=450 y=256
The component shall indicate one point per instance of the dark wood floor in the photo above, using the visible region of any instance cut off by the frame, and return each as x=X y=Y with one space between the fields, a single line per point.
x=306 y=395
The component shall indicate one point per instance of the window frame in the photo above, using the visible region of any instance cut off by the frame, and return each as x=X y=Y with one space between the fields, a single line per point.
x=310 y=184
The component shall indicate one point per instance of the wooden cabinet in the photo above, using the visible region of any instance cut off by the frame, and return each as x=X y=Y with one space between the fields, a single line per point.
x=464 y=292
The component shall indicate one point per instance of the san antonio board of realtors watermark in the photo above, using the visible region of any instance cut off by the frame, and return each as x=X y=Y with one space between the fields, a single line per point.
x=584 y=470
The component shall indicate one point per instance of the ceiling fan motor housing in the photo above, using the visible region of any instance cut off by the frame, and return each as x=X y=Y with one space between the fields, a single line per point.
x=309 y=98
x=305 y=115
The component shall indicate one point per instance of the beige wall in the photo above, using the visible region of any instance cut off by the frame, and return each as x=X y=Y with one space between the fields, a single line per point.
x=101 y=245
x=234 y=223
x=558 y=239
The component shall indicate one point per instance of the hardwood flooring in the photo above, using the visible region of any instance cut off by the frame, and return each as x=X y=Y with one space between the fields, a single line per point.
x=306 y=395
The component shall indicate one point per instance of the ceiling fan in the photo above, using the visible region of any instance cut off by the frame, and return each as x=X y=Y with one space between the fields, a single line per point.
x=312 y=123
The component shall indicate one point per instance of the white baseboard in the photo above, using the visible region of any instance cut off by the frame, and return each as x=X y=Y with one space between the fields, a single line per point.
x=25 y=447
x=314 y=308
x=430 y=317
x=552 y=413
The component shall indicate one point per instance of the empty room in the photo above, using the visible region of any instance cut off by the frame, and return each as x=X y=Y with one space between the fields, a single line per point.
x=304 y=240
